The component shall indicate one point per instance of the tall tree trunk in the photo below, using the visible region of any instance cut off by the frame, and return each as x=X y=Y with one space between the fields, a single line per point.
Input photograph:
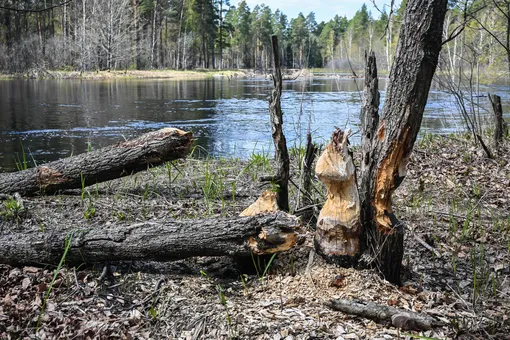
x=161 y=43
x=204 y=49
x=369 y=121
x=221 y=35
x=154 y=41
x=83 y=67
x=392 y=143
x=280 y=143
x=137 y=35
x=178 y=60
x=64 y=30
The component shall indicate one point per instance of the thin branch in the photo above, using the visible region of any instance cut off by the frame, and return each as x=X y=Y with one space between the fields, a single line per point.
x=389 y=15
x=492 y=35
x=462 y=25
x=455 y=34
x=501 y=10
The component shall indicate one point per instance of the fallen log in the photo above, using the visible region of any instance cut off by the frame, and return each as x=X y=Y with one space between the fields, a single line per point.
x=400 y=318
x=163 y=240
x=101 y=165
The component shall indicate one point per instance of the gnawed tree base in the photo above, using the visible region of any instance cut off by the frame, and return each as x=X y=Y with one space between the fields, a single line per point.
x=338 y=227
x=157 y=241
x=400 y=318
x=105 y=164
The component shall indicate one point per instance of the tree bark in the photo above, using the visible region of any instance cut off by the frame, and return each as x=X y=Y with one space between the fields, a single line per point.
x=391 y=146
x=369 y=121
x=404 y=319
x=500 y=125
x=105 y=164
x=304 y=194
x=158 y=241
x=280 y=143
x=137 y=35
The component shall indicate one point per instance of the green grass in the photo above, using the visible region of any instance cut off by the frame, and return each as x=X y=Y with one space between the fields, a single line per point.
x=68 y=240
x=13 y=209
x=21 y=164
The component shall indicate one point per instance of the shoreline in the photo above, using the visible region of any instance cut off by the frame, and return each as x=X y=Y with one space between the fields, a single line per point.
x=289 y=74
x=123 y=74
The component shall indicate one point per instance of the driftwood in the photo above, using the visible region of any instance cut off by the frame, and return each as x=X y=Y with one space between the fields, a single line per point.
x=158 y=241
x=400 y=318
x=338 y=227
x=101 y=165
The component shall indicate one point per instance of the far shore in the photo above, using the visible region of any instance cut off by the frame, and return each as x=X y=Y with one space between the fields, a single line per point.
x=288 y=74
x=125 y=74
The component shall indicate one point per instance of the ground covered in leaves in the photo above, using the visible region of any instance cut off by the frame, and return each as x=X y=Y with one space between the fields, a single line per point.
x=453 y=199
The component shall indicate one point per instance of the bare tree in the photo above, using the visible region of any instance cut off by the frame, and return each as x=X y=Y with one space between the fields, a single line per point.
x=109 y=27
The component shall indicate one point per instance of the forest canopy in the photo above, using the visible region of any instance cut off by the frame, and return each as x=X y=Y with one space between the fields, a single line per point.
x=94 y=35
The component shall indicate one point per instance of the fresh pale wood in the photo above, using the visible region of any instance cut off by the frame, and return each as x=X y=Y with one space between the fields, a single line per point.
x=101 y=165
x=338 y=227
x=161 y=240
x=264 y=204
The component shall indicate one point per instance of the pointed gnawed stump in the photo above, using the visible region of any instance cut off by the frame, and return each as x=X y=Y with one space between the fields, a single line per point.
x=338 y=227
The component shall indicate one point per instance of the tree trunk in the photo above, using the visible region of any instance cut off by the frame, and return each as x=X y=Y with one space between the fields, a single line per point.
x=178 y=61
x=304 y=195
x=158 y=241
x=369 y=120
x=154 y=41
x=221 y=35
x=137 y=35
x=280 y=143
x=108 y=163
x=498 y=119
x=391 y=146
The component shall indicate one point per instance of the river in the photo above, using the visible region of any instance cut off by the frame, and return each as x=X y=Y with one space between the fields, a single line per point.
x=51 y=119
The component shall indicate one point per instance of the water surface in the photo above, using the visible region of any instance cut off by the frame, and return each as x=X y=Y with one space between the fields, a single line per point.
x=51 y=119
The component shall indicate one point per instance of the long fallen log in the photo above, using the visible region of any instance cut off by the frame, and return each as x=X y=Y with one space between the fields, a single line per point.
x=101 y=165
x=400 y=318
x=163 y=240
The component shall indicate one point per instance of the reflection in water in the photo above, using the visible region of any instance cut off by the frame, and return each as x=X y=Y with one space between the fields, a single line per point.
x=56 y=118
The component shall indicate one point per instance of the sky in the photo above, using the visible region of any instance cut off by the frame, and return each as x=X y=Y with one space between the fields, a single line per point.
x=324 y=10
